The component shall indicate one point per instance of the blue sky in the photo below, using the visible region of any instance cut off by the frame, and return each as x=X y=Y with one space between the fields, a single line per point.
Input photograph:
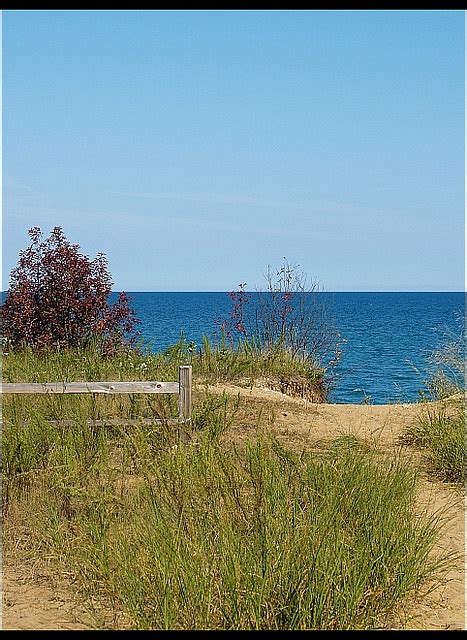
x=196 y=148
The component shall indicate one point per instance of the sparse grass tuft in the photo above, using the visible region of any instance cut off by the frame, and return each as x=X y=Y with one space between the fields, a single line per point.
x=440 y=432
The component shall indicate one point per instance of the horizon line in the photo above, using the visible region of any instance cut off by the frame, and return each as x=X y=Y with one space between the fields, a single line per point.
x=265 y=291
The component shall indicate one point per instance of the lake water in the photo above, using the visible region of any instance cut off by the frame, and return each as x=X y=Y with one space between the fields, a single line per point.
x=388 y=336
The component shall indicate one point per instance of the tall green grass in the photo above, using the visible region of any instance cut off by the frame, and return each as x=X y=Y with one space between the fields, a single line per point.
x=447 y=364
x=440 y=433
x=210 y=536
x=205 y=535
x=440 y=430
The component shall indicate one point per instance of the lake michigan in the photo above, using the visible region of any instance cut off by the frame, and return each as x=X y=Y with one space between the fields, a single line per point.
x=388 y=336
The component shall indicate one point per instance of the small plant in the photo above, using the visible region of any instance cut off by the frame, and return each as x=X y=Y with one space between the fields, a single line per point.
x=239 y=299
x=58 y=299
x=448 y=365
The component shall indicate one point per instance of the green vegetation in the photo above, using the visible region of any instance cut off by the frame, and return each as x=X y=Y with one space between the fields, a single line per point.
x=440 y=431
x=211 y=364
x=208 y=534
x=448 y=365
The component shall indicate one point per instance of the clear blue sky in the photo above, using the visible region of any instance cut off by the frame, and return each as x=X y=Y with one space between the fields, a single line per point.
x=195 y=148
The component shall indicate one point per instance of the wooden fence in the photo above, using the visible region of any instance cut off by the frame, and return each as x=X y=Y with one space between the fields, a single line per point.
x=182 y=388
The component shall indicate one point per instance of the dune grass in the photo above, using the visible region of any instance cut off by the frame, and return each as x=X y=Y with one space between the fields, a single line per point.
x=209 y=535
x=211 y=363
x=440 y=433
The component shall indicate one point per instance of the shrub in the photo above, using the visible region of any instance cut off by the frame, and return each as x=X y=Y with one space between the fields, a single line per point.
x=290 y=319
x=447 y=364
x=58 y=298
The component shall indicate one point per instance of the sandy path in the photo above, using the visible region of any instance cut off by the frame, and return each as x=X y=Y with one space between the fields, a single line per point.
x=305 y=420
x=35 y=601
x=32 y=601
x=445 y=607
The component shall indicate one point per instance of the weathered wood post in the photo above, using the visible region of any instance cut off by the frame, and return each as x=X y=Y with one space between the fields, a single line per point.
x=184 y=398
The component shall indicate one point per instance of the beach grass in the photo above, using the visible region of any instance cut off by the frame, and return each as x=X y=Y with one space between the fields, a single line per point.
x=211 y=363
x=440 y=433
x=210 y=534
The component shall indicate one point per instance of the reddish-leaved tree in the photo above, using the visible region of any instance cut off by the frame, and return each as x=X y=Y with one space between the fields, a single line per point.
x=59 y=298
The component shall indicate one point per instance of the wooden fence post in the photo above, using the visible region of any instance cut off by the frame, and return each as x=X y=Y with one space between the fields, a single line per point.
x=184 y=399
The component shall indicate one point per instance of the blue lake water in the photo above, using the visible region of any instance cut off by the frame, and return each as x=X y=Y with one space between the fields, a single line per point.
x=389 y=336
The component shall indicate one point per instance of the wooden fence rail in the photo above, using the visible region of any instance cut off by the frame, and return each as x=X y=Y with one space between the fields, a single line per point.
x=182 y=388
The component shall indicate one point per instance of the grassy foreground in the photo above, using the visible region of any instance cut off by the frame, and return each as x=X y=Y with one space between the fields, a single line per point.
x=208 y=535
x=203 y=536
